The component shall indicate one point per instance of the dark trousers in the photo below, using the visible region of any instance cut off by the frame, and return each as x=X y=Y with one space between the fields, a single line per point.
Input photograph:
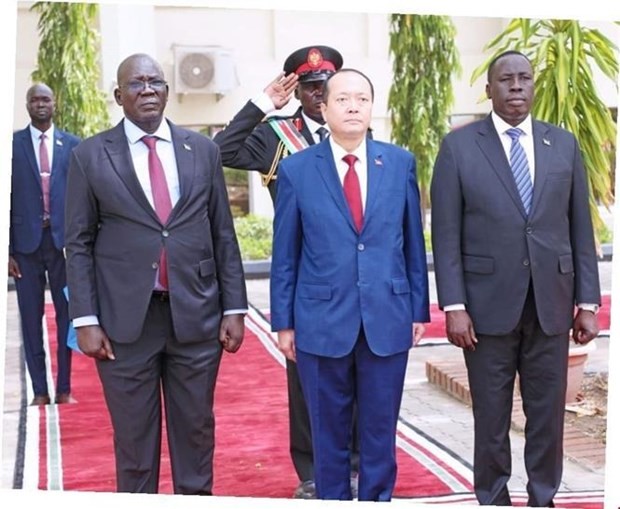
x=31 y=301
x=332 y=387
x=157 y=367
x=300 y=436
x=541 y=362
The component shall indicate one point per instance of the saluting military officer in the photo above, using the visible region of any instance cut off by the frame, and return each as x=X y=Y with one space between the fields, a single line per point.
x=255 y=140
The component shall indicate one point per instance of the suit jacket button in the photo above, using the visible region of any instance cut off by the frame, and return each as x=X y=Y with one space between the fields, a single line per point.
x=361 y=247
x=165 y=233
x=529 y=230
x=526 y=263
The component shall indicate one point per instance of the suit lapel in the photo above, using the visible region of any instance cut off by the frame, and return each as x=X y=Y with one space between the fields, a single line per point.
x=375 y=176
x=542 y=151
x=25 y=140
x=60 y=154
x=491 y=146
x=326 y=167
x=305 y=131
x=117 y=148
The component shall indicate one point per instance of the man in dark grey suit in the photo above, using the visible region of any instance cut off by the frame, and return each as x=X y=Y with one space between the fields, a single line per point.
x=156 y=287
x=512 y=260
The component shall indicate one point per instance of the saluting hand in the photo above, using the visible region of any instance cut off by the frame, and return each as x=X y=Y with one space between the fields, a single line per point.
x=281 y=89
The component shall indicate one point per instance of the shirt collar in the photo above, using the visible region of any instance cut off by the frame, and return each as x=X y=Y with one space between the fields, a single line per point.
x=313 y=125
x=36 y=133
x=339 y=152
x=135 y=134
x=501 y=126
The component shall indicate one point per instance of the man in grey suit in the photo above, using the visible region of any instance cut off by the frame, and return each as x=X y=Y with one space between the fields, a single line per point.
x=512 y=260
x=156 y=286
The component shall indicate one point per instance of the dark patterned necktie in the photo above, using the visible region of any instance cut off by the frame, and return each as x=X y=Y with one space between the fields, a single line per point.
x=520 y=168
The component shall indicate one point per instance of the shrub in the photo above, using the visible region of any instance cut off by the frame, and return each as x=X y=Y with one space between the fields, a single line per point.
x=254 y=234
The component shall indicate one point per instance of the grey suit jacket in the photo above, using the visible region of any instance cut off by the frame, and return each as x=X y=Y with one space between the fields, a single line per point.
x=486 y=250
x=114 y=238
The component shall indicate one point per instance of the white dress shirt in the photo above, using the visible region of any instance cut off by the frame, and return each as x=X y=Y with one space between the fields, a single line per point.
x=49 y=144
x=361 y=165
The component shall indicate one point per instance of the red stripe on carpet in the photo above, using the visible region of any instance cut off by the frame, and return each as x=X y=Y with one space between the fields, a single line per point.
x=42 y=449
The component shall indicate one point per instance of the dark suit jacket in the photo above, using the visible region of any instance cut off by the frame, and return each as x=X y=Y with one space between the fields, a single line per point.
x=247 y=143
x=114 y=238
x=486 y=250
x=326 y=279
x=27 y=194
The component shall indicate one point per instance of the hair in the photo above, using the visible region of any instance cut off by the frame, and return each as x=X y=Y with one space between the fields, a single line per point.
x=500 y=56
x=343 y=70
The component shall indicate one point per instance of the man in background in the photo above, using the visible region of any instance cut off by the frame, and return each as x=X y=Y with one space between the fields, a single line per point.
x=36 y=238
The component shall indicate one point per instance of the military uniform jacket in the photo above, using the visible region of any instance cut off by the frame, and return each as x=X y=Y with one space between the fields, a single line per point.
x=249 y=143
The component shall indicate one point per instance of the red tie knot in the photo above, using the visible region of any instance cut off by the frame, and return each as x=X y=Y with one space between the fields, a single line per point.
x=150 y=141
x=350 y=160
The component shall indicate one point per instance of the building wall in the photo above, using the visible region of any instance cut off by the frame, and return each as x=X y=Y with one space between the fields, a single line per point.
x=260 y=41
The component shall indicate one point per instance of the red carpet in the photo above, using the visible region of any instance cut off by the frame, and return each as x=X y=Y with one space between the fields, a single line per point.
x=251 y=455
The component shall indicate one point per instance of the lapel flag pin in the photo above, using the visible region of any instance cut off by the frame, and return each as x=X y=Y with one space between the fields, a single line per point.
x=59 y=143
x=187 y=147
x=546 y=142
x=378 y=162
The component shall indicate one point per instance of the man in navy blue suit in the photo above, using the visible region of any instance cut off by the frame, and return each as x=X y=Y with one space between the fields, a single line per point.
x=349 y=287
x=38 y=179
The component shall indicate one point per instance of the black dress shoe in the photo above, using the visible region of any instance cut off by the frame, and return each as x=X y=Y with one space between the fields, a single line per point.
x=42 y=399
x=305 y=490
x=64 y=398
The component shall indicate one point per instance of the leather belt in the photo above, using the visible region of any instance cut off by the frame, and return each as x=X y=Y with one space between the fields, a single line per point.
x=161 y=296
x=46 y=223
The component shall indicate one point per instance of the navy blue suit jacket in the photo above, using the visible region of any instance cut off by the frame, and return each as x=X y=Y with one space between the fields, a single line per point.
x=27 y=193
x=326 y=278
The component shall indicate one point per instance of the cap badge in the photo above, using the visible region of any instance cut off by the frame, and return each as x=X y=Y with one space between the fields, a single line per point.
x=315 y=59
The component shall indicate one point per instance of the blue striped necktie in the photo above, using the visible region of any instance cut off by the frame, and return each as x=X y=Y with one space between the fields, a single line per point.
x=520 y=168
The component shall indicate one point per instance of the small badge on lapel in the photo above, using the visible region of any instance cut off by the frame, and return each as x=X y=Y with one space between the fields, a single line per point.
x=378 y=161
x=546 y=142
x=59 y=143
x=187 y=147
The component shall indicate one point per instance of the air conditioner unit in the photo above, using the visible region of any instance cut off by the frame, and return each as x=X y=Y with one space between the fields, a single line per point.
x=204 y=70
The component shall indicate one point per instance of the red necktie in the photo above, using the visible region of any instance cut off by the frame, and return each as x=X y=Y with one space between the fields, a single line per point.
x=44 y=163
x=352 y=191
x=161 y=199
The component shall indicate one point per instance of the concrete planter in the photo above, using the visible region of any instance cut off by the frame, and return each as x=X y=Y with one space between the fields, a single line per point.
x=577 y=357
